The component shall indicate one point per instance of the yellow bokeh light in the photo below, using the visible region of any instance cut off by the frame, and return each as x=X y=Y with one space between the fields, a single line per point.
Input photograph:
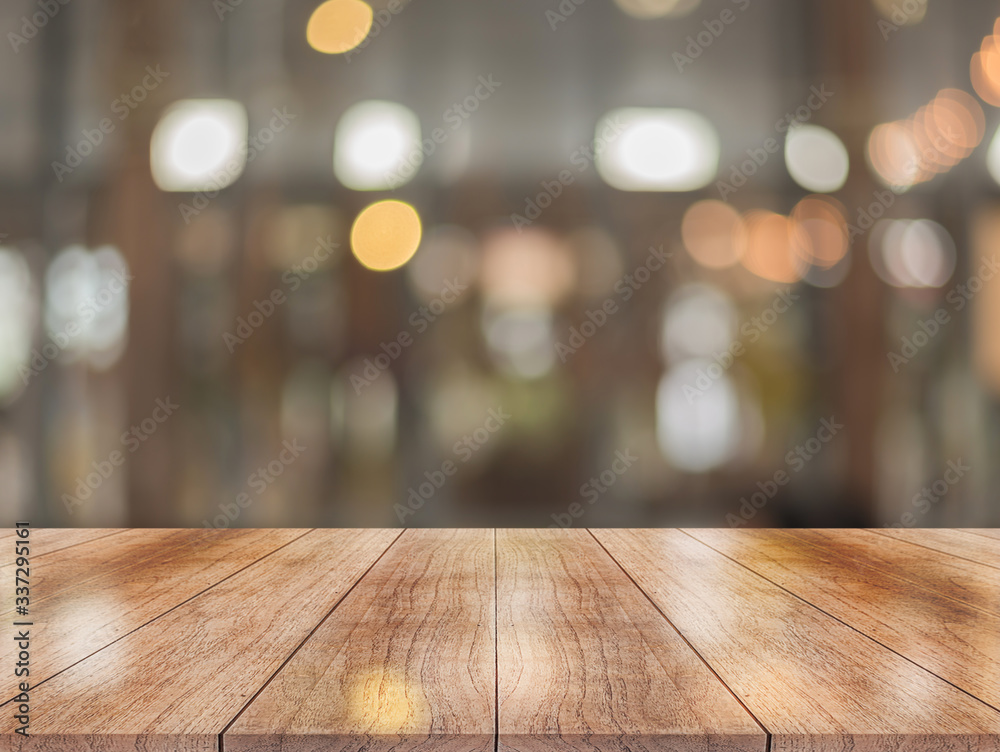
x=385 y=235
x=338 y=26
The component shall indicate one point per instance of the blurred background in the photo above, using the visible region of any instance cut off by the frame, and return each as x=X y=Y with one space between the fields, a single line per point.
x=530 y=263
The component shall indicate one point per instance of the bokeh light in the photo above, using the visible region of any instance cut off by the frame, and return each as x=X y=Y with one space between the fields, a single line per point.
x=912 y=253
x=377 y=146
x=713 y=234
x=644 y=9
x=525 y=269
x=771 y=250
x=447 y=253
x=17 y=318
x=386 y=234
x=521 y=340
x=647 y=149
x=820 y=230
x=199 y=144
x=816 y=158
x=698 y=320
x=984 y=69
x=993 y=157
x=86 y=304
x=933 y=140
x=902 y=12
x=697 y=416
x=338 y=26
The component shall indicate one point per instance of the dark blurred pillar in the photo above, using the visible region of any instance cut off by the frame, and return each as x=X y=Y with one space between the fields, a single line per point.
x=136 y=218
x=855 y=309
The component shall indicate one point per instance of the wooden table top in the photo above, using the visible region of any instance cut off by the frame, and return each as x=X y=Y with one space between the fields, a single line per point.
x=514 y=640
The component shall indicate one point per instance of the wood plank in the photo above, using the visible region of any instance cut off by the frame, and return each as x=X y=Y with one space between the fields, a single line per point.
x=989 y=532
x=814 y=683
x=46 y=541
x=173 y=685
x=961 y=543
x=94 y=613
x=587 y=663
x=953 y=640
x=407 y=661
x=969 y=582
x=70 y=567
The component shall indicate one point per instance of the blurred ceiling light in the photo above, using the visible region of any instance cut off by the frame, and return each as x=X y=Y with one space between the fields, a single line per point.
x=816 y=159
x=17 y=320
x=912 y=253
x=447 y=254
x=644 y=9
x=525 y=269
x=199 y=144
x=699 y=320
x=771 y=251
x=86 y=304
x=984 y=70
x=338 y=26
x=901 y=12
x=713 y=234
x=648 y=149
x=385 y=235
x=820 y=230
x=599 y=261
x=377 y=146
x=520 y=340
x=697 y=428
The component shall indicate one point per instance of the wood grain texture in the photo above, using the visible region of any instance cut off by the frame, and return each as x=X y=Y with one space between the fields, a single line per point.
x=406 y=662
x=176 y=683
x=817 y=685
x=587 y=663
x=69 y=567
x=969 y=582
x=962 y=543
x=45 y=541
x=959 y=643
x=86 y=616
x=989 y=532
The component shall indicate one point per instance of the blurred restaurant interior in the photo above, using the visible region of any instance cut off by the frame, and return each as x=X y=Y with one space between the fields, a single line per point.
x=526 y=263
